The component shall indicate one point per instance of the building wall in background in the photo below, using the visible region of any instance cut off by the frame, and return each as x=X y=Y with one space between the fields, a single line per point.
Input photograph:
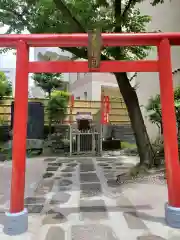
x=91 y=83
x=8 y=66
x=165 y=17
x=83 y=92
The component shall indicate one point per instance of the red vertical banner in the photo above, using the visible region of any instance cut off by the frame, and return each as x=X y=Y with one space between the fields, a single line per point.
x=71 y=109
x=107 y=104
x=102 y=109
x=105 y=108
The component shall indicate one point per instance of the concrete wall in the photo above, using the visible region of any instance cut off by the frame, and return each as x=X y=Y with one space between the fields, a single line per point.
x=165 y=17
x=91 y=83
x=79 y=92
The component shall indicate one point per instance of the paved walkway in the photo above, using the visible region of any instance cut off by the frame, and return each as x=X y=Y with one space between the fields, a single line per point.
x=80 y=200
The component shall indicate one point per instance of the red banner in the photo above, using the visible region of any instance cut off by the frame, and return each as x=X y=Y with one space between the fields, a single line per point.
x=105 y=108
x=107 y=104
x=71 y=109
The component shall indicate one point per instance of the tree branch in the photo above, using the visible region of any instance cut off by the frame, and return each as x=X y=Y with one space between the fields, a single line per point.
x=18 y=15
x=102 y=3
x=135 y=75
x=127 y=7
x=76 y=25
x=118 y=24
x=155 y=2
x=81 y=53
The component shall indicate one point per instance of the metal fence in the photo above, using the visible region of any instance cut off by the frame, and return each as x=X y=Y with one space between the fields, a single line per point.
x=70 y=141
x=85 y=143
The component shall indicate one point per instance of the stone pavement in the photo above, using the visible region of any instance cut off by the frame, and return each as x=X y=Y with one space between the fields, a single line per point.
x=34 y=171
x=79 y=199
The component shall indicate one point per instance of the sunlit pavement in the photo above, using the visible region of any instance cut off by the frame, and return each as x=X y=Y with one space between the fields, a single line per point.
x=78 y=199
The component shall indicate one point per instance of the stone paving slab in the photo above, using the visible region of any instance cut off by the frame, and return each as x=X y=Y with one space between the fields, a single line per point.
x=55 y=233
x=53 y=217
x=88 y=177
x=69 y=205
x=92 y=232
x=60 y=198
x=86 y=167
x=90 y=189
x=93 y=209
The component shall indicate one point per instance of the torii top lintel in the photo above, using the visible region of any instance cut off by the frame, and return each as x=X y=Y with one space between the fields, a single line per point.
x=81 y=39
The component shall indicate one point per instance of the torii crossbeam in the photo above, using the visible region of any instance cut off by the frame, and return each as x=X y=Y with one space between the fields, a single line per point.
x=17 y=218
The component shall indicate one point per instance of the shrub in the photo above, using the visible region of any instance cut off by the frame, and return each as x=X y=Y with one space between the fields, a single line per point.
x=154 y=109
x=5 y=86
x=57 y=106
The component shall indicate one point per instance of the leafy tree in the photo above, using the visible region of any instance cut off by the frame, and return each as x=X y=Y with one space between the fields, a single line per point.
x=155 y=2
x=154 y=109
x=67 y=16
x=48 y=81
x=57 y=110
x=57 y=106
x=5 y=86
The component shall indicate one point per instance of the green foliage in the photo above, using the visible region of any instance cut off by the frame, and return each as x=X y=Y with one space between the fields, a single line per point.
x=48 y=81
x=57 y=16
x=60 y=93
x=5 y=86
x=177 y=94
x=57 y=106
x=154 y=108
x=155 y=2
x=125 y=145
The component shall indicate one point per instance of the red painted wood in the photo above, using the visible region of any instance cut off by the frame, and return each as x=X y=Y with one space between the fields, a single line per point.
x=105 y=109
x=81 y=39
x=20 y=129
x=72 y=101
x=105 y=66
x=107 y=103
x=169 y=123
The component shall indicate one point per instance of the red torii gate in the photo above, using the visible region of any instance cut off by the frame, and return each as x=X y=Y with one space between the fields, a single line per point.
x=17 y=219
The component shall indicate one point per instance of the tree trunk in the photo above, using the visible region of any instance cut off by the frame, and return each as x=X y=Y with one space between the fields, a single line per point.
x=161 y=126
x=137 y=121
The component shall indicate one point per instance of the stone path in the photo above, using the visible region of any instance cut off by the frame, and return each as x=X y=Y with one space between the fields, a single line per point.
x=79 y=199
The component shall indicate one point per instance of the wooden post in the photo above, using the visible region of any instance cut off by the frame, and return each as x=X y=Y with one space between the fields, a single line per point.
x=94 y=48
x=20 y=129
x=169 y=123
